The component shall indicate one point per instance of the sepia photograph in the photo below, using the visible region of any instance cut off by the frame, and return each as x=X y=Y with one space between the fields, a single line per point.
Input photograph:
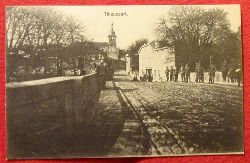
x=123 y=81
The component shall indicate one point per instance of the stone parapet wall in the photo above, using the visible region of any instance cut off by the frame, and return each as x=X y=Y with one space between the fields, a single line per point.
x=49 y=114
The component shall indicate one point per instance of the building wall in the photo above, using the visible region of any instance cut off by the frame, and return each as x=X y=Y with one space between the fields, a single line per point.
x=113 y=53
x=163 y=58
x=146 y=59
x=128 y=64
x=157 y=60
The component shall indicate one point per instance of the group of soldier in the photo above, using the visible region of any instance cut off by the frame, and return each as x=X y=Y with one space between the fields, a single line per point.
x=104 y=72
x=228 y=72
x=231 y=73
x=199 y=72
x=172 y=74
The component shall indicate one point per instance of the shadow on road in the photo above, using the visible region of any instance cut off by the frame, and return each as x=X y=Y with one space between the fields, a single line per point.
x=98 y=138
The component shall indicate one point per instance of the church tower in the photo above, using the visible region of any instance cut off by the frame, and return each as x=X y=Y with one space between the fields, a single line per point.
x=112 y=37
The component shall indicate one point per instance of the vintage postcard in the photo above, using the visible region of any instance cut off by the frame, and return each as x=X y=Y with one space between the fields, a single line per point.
x=123 y=81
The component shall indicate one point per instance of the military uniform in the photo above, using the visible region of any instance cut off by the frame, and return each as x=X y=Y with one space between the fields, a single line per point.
x=182 y=71
x=199 y=73
x=211 y=73
x=224 y=70
x=238 y=73
x=231 y=74
x=171 y=74
x=197 y=67
x=176 y=75
x=167 y=73
x=101 y=71
x=187 y=73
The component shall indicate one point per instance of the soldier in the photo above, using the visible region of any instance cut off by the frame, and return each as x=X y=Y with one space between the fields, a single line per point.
x=110 y=72
x=135 y=78
x=105 y=73
x=167 y=73
x=211 y=73
x=197 y=67
x=150 y=77
x=101 y=71
x=231 y=74
x=224 y=70
x=142 y=77
x=176 y=72
x=238 y=75
x=182 y=72
x=187 y=73
x=171 y=73
x=98 y=74
x=201 y=74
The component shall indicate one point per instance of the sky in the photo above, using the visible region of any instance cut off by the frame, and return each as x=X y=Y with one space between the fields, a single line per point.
x=139 y=21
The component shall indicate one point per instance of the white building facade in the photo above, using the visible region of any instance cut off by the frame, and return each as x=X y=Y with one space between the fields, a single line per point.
x=128 y=64
x=153 y=61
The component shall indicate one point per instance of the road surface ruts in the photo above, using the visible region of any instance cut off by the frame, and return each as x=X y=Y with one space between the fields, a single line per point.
x=184 y=118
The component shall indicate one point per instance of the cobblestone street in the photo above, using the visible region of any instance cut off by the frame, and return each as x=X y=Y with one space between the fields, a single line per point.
x=183 y=118
x=166 y=118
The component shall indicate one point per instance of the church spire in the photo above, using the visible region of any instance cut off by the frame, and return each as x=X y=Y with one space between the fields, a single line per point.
x=112 y=33
x=112 y=36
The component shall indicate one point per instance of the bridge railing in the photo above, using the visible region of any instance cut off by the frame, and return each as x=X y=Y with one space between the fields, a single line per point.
x=46 y=115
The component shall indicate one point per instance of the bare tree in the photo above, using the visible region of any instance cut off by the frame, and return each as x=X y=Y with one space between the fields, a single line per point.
x=20 y=21
x=74 y=31
x=192 y=30
x=39 y=33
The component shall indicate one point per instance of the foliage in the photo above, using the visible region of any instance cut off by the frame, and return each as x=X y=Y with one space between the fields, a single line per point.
x=133 y=51
x=38 y=35
x=196 y=33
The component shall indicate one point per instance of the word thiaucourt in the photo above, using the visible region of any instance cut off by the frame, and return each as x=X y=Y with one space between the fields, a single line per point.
x=115 y=14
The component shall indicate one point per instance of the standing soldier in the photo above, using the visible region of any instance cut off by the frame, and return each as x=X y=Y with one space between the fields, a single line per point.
x=211 y=73
x=187 y=73
x=171 y=73
x=99 y=74
x=231 y=74
x=110 y=72
x=176 y=72
x=105 y=74
x=197 y=67
x=224 y=70
x=167 y=73
x=182 y=71
x=238 y=75
x=201 y=74
x=135 y=78
x=101 y=71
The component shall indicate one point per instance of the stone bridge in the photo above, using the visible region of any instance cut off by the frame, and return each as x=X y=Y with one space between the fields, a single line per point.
x=68 y=117
x=47 y=115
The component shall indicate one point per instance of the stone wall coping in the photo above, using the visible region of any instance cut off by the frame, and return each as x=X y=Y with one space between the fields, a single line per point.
x=45 y=81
